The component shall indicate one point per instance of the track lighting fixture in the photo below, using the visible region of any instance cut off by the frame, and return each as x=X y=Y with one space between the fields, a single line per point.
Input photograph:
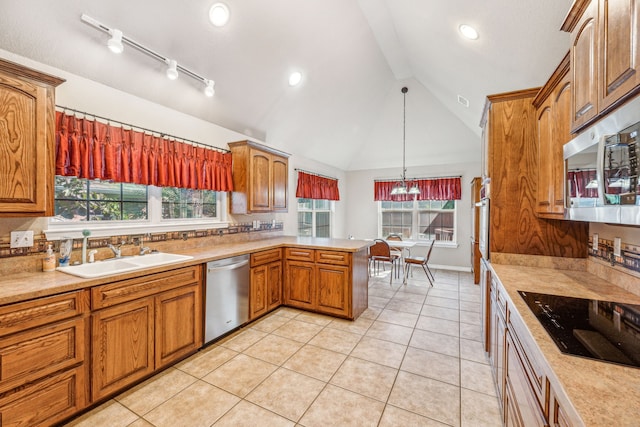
x=172 y=69
x=115 y=42
x=118 y=39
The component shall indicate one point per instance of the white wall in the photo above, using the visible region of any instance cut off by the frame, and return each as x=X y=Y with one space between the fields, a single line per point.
x=362 y=210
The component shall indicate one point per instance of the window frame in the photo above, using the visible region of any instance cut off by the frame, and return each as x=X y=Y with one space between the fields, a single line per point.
x=153 y=224
x=314 y=211
x=415 y=213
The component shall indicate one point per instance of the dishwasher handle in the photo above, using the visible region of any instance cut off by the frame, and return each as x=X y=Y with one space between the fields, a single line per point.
x=228 y=267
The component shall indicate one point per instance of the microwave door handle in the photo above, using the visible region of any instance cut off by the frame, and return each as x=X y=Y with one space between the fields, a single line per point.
x=600 y=170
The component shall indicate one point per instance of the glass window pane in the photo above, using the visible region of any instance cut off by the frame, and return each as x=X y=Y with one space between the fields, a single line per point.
x=134 y=210
x=134 y=193
x=305 y=224
x=70 y=188
x=104 y=211
x=305 y=204
x=323 y=205
x=71 y=210
x=101 y=190
x=323 y=224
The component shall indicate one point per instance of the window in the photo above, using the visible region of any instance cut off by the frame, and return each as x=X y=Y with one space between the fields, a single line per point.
x=420 y=220
x=114 y=208
x=314 y=217
x=187 y=203
x=79 y=200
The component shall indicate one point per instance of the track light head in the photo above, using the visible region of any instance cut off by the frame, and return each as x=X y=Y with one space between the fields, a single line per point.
x=209 y=90
x=115 y=42
x=172 y=69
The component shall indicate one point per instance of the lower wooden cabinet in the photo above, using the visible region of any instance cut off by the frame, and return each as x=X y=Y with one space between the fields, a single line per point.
x=333 y=289
x=300 y=284
x=43 y=372
x=132 y=339
x=122 y=346
x=266 y=282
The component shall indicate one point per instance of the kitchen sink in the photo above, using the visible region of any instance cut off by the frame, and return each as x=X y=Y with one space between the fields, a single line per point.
x=122 y=265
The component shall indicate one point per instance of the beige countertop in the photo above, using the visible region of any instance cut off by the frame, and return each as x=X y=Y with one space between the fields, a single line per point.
x=604 y=394
x=28 y=285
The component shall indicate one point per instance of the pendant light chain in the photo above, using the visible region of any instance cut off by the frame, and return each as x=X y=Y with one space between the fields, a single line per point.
x=404 y=130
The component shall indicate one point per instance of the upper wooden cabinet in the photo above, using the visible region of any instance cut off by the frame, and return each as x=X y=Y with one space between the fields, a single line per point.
x=260 y=178
x=27 y=141
x=553 y=115
x=512 y=165
x=605 y=56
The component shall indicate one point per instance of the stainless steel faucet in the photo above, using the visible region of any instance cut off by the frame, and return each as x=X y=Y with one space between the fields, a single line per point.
x=116 y=250
x=144 y=250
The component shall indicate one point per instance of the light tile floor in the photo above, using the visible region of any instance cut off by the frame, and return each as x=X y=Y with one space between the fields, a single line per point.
x=414 y=358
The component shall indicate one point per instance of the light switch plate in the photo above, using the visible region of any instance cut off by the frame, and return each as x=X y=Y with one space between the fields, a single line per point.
x=22 y=239
x=617 y=243
x=594 y=242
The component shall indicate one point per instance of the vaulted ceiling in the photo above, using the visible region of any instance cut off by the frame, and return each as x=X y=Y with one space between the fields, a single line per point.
x=355 y=56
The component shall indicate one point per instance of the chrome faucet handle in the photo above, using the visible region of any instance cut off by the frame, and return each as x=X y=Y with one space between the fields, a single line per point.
x=144 y=250
x=116 y=250
x=91 y=255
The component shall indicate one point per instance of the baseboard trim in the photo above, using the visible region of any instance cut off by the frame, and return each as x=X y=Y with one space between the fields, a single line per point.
x=450 y=267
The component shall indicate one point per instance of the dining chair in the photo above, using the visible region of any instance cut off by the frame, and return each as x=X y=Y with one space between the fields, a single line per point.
x=421 y=261
x=381 y=252
x=394 y=237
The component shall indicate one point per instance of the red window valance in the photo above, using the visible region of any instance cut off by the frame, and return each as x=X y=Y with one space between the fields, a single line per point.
x=90 y=149
x=430 y=189
x=316 y=187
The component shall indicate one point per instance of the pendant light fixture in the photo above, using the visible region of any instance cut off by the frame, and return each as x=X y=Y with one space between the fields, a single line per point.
x=401 y=186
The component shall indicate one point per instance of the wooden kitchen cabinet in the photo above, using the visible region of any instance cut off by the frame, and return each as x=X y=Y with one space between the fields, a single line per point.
x=142 y=324
x=300 y=284
x=553 y=114
x=326 y=281
x=512 y=166
x=260 y=178
x=43 y=372
x=266 y=282
x=498 y=330
x=27 y=141
x=605 y=56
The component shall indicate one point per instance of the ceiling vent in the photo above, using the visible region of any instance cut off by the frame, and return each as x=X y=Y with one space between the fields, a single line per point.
x=464 y=101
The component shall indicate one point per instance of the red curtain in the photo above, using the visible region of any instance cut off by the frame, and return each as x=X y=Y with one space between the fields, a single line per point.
x=430 y=189
x=317 y=187
x=94 y=150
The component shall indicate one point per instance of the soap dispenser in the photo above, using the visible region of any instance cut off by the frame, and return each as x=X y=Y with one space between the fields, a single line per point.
x=49 y=260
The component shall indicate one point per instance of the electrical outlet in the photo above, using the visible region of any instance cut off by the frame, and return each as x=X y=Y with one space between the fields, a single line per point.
x=617 y=243
x=594 y=242
x=22 y=239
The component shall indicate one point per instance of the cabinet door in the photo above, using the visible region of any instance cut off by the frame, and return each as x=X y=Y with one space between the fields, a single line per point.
x=562 y=135
x=258 y=295
x=260 y=184
x=333 y=289
x=280 y=170
x=522 y=406
x=27 y=160
x=45 y=402
x=178 y=324
x=122 y=346
x=498 y=350
x=619 y=49
x=274 y=285
x=300 y=284
x=584 y=65
x=545 y=121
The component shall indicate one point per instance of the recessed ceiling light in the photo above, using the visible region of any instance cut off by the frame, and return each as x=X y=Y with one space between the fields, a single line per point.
x=469 y=32
x=219 y=14
x=295 y=78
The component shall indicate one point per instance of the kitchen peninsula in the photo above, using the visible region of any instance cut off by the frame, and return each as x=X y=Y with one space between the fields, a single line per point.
x=72 y=330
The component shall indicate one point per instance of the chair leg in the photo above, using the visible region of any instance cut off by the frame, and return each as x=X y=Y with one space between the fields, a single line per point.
x=428 y=269
x=424 y=267
x=406 y=273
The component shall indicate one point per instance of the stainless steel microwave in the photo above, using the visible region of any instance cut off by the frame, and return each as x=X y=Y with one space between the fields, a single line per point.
x=601 y=169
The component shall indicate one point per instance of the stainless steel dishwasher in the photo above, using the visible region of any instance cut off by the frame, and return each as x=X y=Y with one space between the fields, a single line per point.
x=227 y=296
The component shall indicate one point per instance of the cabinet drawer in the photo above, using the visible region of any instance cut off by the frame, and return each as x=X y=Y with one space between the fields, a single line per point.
x=45 y=402
x=300 y=254
x=332 y=257
x=38 y=352
x=501 y=302
x=128 y=290
x=30 y=314
x=265 y=257
x=529 y=358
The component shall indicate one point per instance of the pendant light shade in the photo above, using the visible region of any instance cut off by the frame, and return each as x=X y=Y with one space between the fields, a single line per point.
x=401 y=187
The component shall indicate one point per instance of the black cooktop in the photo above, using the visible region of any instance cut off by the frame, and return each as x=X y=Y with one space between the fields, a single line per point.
x=603 y=330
